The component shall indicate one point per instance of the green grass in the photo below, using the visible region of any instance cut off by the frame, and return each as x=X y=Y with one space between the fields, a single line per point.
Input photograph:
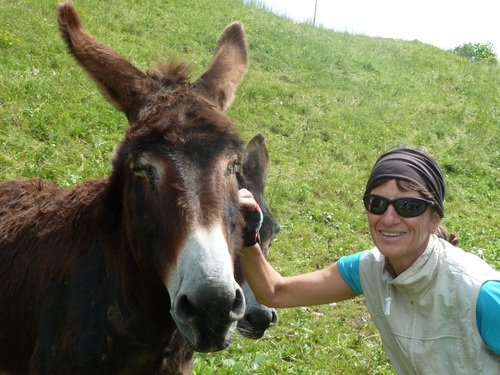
x=328 y=103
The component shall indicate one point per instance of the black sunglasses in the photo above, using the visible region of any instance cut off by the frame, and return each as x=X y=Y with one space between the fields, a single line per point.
x=405 y=207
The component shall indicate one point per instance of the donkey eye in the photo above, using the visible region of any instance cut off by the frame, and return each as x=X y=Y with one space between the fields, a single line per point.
x=144 y=170
x=234 y=167
x=138 y=169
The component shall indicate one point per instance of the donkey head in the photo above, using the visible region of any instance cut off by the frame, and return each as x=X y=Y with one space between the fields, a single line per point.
x=176 y=174
x=258 y=318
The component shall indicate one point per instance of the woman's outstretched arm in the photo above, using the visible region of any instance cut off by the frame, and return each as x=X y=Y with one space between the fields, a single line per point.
x=272 y=289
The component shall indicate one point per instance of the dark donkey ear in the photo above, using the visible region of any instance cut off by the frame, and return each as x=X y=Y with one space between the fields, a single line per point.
x=230 y=63
x=122 y=83
x=256 y=163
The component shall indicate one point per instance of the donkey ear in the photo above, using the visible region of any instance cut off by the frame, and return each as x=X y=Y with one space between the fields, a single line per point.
x=256 y=162
x=122 y=84
x=230 y=64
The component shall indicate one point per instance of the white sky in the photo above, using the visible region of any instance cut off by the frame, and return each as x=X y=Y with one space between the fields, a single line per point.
x=442 y=23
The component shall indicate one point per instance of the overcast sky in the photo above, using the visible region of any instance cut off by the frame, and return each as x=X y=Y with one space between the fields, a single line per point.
x=443 y=23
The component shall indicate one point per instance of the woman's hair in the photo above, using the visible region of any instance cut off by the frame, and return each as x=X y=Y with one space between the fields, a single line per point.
x=451 y=237
x=403 y=185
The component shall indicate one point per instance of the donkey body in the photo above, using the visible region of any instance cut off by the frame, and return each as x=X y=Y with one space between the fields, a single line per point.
x=130 y=274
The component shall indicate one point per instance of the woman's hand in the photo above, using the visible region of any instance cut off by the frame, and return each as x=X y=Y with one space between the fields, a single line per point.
x=253 y=218
x=247 y=200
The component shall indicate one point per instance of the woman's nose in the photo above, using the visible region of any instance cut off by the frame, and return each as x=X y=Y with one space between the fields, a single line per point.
x=390 y=215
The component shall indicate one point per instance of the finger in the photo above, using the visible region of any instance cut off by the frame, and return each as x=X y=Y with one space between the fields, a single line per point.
x=248 y=203
x=244 y=193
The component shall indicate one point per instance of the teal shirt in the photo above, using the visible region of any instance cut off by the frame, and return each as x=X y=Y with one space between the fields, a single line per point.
x=487 y=306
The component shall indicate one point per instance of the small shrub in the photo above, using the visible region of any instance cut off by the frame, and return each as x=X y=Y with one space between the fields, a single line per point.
x=477 y=52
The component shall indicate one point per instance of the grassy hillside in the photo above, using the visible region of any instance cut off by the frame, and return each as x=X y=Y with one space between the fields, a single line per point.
x=328 y=103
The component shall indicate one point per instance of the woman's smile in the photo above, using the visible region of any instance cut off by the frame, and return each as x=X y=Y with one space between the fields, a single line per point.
x=392 y=234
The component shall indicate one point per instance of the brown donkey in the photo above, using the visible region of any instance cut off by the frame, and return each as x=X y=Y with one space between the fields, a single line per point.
x=129 y=274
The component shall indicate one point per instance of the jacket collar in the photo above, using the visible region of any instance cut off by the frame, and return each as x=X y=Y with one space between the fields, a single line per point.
x=419 y=276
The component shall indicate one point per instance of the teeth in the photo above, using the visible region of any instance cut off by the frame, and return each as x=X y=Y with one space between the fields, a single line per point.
x=391 y=234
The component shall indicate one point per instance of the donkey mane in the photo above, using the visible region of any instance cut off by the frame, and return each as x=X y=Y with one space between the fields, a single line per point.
x=171 y=73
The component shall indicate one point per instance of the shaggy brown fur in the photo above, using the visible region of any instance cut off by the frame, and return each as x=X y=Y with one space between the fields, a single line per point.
x=83 y=271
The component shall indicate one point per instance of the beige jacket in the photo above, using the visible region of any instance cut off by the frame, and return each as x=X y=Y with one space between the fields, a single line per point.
x=427 y=315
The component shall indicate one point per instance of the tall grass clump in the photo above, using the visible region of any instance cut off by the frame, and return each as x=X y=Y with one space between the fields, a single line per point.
x=328 y=104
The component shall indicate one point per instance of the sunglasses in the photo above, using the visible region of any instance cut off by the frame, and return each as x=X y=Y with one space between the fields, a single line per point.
x=405 y=207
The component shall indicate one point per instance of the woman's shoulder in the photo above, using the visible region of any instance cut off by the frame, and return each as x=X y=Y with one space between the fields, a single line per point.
x=371 y=255
x=465 y=263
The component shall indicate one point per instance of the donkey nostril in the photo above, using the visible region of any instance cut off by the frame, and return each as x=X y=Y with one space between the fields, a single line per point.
x=185 y=310
x=239 y=305
x=274 y=318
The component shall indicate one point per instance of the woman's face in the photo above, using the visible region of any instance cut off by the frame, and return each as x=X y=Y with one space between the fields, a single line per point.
x=402 y=240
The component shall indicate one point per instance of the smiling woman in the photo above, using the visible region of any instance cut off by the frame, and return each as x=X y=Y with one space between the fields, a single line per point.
x=419 y=288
